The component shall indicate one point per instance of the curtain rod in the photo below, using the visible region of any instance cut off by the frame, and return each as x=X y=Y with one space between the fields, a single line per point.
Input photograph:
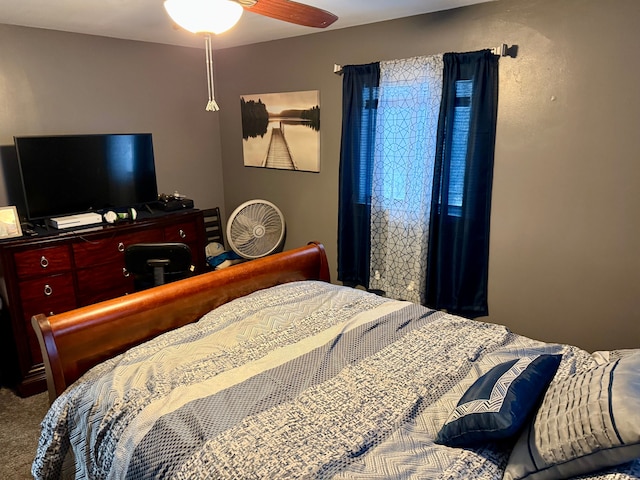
x=503 y=51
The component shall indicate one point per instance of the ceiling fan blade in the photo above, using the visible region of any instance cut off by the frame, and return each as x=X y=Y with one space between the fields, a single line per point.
x=292 y=12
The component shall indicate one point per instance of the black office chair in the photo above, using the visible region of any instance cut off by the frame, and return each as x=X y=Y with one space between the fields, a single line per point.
x=154 y=264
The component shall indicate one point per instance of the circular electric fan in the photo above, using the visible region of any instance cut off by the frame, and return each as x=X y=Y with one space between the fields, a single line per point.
x=255 y=229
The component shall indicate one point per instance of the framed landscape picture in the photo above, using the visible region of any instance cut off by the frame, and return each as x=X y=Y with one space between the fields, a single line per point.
x=281 y=130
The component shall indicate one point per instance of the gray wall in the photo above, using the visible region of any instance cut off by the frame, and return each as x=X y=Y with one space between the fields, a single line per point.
x=564 y=265
x=62 y=83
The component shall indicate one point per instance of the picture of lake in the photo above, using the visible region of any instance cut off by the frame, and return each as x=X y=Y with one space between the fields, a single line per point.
x=281 y=130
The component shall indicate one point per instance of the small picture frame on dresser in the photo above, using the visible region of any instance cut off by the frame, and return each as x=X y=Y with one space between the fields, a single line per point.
x=9 y=223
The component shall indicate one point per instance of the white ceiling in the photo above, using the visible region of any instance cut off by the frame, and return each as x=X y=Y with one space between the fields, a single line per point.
x=146 y=20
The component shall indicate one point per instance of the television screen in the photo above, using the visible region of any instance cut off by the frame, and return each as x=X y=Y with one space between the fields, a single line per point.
x=68 y=174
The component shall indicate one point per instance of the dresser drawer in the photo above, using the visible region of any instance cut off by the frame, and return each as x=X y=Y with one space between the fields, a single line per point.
x=103 y=282
x=43 y=261
x=49 y=295
x=181 y=232
x=106 y=250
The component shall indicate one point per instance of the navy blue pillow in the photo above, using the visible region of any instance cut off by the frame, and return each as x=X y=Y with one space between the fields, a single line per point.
x=500 y=402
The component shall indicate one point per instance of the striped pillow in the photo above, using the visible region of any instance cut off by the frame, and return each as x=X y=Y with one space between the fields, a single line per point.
x=587 y=422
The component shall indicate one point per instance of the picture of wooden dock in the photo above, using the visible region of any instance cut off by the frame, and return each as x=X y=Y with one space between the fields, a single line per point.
x=281 y=130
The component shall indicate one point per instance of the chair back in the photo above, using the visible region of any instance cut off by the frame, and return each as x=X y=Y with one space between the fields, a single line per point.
x=154 y=264
x=213 y=225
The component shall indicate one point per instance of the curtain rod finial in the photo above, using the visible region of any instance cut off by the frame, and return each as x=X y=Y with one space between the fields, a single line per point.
x=506 y=51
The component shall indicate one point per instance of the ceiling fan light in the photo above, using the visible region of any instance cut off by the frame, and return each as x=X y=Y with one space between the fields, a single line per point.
x=202 y=16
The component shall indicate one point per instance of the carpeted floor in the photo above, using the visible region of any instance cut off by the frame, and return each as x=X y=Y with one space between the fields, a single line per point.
x=19 y=431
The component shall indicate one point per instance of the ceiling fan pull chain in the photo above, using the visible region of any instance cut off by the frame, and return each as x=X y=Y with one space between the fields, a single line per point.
x=212 y=106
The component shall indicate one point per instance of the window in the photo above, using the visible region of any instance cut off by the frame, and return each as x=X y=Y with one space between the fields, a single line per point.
x=401 y=184
x=367 y=129
x=390 y=161
x=459 y=143
x=404 y=146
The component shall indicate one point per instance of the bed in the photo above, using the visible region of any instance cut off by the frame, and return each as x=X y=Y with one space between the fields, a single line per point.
x=267 y=370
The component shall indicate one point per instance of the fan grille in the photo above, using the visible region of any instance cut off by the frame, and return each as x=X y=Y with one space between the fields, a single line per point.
x=255 y=229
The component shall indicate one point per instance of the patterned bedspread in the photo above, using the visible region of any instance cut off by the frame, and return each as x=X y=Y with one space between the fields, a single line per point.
x=303 y=380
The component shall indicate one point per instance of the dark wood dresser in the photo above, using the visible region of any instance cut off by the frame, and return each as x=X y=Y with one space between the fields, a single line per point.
x=58 y=271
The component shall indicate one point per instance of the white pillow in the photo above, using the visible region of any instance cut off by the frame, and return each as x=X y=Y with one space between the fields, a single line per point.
x=586 y=422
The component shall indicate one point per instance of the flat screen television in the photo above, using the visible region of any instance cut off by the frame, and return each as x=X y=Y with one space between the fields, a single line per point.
x=68 y=174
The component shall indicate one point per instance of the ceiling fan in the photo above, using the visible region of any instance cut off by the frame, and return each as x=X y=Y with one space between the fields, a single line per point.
x=217 y=16
x=292 y=12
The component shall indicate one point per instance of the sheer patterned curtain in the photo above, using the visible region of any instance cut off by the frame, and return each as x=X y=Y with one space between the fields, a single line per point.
x=410 y=92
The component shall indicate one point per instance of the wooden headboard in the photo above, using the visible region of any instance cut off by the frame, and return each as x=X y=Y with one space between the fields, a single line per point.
x=74 y=341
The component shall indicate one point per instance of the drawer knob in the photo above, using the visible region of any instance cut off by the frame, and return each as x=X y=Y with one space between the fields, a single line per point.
x=48 y=291
x=121 y=247
x=44 y=262
x=125 y=273
x=182 y=233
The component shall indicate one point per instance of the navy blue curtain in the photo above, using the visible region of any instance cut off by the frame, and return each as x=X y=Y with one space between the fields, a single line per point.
x=359 y=104
x=458 y=259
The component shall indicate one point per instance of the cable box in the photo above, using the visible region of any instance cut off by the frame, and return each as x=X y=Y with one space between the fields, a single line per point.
x=77 y=220
x=175 y=204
